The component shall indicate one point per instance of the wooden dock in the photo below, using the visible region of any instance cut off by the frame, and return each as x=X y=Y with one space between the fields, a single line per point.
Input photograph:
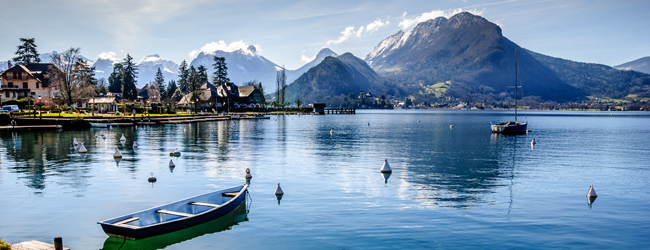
x=340 y=111
x=34 y=245
x=30 y=127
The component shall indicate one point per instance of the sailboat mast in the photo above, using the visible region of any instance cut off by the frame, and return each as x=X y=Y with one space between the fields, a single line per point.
x=516 y=86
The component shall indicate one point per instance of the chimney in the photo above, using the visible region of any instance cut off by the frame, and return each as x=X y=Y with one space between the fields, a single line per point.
x=9 y=64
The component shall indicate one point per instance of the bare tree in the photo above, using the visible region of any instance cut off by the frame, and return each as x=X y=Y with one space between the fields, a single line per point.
x=281 y=83
x=73 y=77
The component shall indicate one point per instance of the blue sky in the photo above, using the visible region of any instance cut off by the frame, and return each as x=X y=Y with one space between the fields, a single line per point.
x=291 y=32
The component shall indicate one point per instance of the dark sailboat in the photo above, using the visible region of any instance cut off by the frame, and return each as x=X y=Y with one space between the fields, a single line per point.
x=512 y=127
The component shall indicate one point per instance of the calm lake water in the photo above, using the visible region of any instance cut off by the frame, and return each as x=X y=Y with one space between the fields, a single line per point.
x=460 y=187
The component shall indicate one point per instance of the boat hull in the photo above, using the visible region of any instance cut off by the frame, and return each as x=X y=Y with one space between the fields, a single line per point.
x=159 y=228
x=510 y=128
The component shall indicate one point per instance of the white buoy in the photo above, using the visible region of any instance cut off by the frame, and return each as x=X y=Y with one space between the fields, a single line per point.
x=386 y=168
x=117 y=153
x=177 y=153
x=248 y=174
x=332 y=131
x=451 y=126
x=278 y=190
x=152 y=179
x=101 y=133
x=533 y=142
x=368 y=124
x=74 y=142
x=96 y=135
x=123 y=138
x=135 y=144
x=418 y=120
x=592 y=192
x=82 y=149
x=171 y=164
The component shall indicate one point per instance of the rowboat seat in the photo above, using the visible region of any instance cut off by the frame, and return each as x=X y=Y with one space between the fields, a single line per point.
x=122 y=223
x=204 y=204
x=163 y=211
x=233 y=194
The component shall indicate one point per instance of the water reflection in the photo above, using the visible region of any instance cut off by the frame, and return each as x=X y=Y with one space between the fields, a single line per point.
x=221 y=224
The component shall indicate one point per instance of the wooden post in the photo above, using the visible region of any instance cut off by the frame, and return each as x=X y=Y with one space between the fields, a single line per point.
x=58 y=243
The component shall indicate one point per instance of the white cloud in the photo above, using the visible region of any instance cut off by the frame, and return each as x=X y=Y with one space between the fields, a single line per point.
x=109 y=55
x=359 y=32
x=350 y=31
x=410 y=22
x=307 y=59
x=151 y=58
x=374 y=26
x=345 y=35
x=210 y=48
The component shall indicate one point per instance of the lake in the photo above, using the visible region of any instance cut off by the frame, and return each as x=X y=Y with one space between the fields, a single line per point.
x=451 y=188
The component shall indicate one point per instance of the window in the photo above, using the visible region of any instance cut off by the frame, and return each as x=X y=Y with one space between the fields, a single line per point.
x=11 y=84
x=36 y=84
x=25 y=85
x=6 y=94
x=33 y=93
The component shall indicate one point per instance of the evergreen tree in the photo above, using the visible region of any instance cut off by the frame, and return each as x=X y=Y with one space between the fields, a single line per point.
x=129 y=90
x=160 y=83
x=183 y=75
x=203 y=74
x=171 y=88
x=220 y=71
x=26 y=52
x=115 y=79
x=195 y=85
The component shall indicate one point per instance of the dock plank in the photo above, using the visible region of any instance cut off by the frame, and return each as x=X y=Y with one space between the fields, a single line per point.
x=34 y=245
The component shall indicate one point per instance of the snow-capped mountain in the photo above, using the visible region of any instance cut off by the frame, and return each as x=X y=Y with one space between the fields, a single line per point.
x=322 y=54
x=243 y=65
x=149 y=66
x=103 y=68
x=47 y=57
x=390 y=43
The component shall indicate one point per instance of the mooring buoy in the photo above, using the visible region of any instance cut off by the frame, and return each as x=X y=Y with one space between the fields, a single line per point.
x=122 y=138
x=386 y=168
x=592 y=192
x=278 y=190
x=171 y=164
x=82 y=149
x=74 y=142
x=117 y=153
x=152 y=179
x=177 y=153
x=248 y=174
x=533 y=142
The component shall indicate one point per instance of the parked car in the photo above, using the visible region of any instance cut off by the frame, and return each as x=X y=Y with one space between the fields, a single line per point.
x=9 y=109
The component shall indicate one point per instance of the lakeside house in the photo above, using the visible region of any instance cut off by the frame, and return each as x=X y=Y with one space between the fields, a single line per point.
x=149 y=93
x=224 y=95
x=103 y=104
x=33 y=80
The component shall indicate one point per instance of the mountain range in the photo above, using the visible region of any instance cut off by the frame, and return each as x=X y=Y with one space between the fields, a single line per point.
x=467 y=57
x=641 y=65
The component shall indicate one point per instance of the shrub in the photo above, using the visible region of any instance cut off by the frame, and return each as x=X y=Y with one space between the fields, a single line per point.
x=4 y=245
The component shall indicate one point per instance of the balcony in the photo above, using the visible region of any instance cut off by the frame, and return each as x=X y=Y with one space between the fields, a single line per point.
x=13 y=87
x=11 y=77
